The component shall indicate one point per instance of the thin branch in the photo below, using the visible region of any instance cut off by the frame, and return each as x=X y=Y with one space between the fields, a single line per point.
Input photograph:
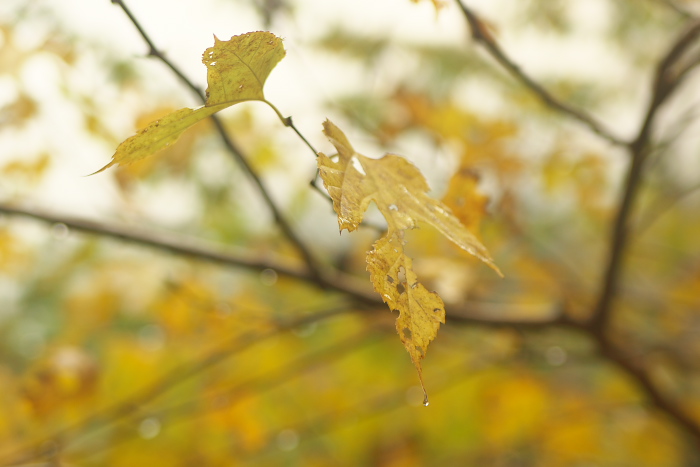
x=374 y=406
x=662 y=207
x=259 y=384
x=166 y=242
x=664 y=85
x=470 y=313
x=233 y=149
x=476 y=313
x=222 y=399
x=334 y=280
x=642 y=379
x=106 y=417
x=677 y=8
x=481 y=35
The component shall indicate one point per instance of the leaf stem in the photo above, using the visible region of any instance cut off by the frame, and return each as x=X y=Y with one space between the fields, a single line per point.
x=287 y=121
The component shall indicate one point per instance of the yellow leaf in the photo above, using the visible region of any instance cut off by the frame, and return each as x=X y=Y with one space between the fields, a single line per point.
x=399 y=191
x=396 y=186
x=158 y=135
x=237 y=69
x=420 y=312
x=236 y=72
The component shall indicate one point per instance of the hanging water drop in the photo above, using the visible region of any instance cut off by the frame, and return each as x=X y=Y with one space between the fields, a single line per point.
x=426 y=402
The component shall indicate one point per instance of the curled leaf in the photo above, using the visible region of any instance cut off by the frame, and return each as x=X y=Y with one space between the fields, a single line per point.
x=396 y=186
x=400 y=192
x=420 y=311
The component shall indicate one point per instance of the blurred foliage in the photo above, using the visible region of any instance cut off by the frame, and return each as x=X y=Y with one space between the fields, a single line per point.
x=117 y=354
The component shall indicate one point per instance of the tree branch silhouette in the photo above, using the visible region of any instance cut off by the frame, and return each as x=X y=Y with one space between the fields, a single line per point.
x=469 y=313
x=665 y=83
x=481 y=35
x=668 y=77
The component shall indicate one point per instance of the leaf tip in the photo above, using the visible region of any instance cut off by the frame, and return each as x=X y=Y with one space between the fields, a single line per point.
x=111 y=163
x=493 y=266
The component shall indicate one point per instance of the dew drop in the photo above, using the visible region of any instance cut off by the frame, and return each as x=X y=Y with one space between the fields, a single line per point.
x=60 y=231
x=268 y=277
x=149 y=428
x=426 y=402
x=556 y=356
x=151 y=337
x=287 y=440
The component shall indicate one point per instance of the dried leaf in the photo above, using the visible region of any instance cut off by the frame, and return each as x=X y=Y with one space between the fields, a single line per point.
x=236 y=72
x=396 y=186
x=399 y=191
x=420 y=311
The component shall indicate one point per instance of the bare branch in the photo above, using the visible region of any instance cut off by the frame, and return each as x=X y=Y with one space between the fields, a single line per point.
x=233 y=149
x=647 y=385
x=222 y=399
x=166 y=242
x=665 y=82
x=470 y=313
x=99 y=420
x=481 y=35
x=663 y=206
x=676 y=7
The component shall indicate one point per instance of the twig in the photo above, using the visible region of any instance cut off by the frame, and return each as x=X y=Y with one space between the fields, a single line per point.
x=225 y=398
x=665 y=83
x=650 y=390
x=110 y=415
x=662 y=207
x=676 y=7
x=166 y=242
x=233 y=149
x=483 y=37
x=335 y=280
x=374 y=406
x=469 y=314
x=266 y=382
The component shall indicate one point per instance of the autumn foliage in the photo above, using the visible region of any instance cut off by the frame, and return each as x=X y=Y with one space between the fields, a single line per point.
x=192 y=303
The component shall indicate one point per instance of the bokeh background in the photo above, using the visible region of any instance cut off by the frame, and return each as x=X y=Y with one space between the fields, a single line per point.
x=117 y=353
